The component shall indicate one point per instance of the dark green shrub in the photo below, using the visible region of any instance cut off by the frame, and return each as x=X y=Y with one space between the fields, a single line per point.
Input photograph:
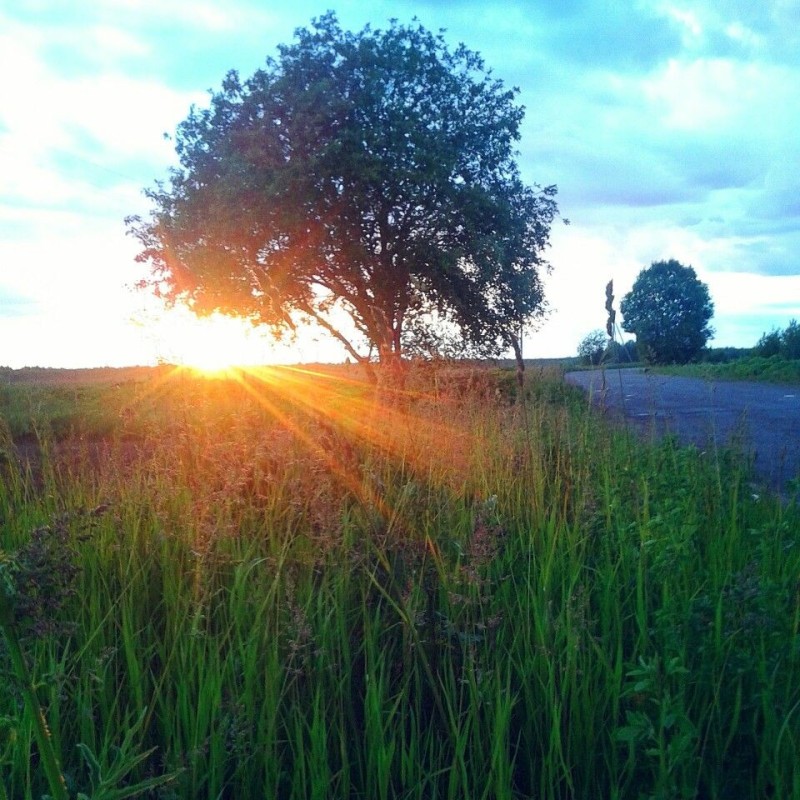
x=769 y=344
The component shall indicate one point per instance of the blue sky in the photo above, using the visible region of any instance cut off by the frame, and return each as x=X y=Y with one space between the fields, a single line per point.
x=669 y=126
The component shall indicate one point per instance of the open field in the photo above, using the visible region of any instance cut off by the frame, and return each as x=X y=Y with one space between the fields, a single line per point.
x=278 y=585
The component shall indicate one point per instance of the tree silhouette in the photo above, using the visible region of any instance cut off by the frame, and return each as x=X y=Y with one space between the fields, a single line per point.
x=372 y=174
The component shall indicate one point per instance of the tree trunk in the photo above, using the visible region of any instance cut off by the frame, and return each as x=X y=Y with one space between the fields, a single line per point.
x=392 y=369
x=517 y=345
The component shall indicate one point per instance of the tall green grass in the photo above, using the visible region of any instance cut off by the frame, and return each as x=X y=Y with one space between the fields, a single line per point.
x=288 y=591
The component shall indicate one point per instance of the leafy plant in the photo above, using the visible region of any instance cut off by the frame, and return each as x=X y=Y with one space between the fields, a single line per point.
x=51 y=763
x=108 y=779
x=662 y=742
x=35 y=584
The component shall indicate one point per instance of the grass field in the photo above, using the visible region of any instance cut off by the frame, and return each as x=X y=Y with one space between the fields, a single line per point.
x=278 y=585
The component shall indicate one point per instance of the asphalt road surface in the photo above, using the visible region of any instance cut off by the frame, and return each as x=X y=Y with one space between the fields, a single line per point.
x=763 y=419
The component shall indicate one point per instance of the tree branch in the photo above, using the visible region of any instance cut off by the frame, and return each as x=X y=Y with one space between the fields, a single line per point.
x=307 y=308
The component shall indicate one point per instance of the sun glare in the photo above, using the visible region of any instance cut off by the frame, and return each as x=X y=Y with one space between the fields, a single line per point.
x=211 y=345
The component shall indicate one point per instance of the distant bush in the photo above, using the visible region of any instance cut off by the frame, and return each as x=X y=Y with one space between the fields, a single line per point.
x=769 y=344
x=593 y=347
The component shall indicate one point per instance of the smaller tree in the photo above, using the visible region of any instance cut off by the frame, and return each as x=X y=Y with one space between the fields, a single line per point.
x=668 y=309
x=593 y=347
x=784 y=343
x=790 y=341
x=769 y=344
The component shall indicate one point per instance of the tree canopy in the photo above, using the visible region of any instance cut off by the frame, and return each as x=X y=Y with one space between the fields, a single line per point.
x=668 y=309
x=372 y=173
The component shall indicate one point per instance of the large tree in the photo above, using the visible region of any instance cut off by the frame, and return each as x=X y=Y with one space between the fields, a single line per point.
x=371 y=173
x=668 y=309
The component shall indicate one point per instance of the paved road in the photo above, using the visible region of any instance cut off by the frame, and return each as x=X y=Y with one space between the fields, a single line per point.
x=762 y=418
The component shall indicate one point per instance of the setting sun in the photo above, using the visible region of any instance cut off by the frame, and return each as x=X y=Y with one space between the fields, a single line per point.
x=210 y=344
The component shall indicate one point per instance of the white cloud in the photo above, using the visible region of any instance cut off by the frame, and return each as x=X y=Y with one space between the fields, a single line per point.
x=122 y=117
x=744 y=35
x=211 y=16
x=751 y=294
x=77 y=143
x=713 y=94
x=688 y=21
x=123 y=114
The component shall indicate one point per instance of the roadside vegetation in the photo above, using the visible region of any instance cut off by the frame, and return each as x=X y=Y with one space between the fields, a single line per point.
x=753 y=368
x=275 y=585
x=774 y=359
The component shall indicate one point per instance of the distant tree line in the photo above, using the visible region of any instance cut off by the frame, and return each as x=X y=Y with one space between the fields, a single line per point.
x=782 y=343
x=596 y=348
